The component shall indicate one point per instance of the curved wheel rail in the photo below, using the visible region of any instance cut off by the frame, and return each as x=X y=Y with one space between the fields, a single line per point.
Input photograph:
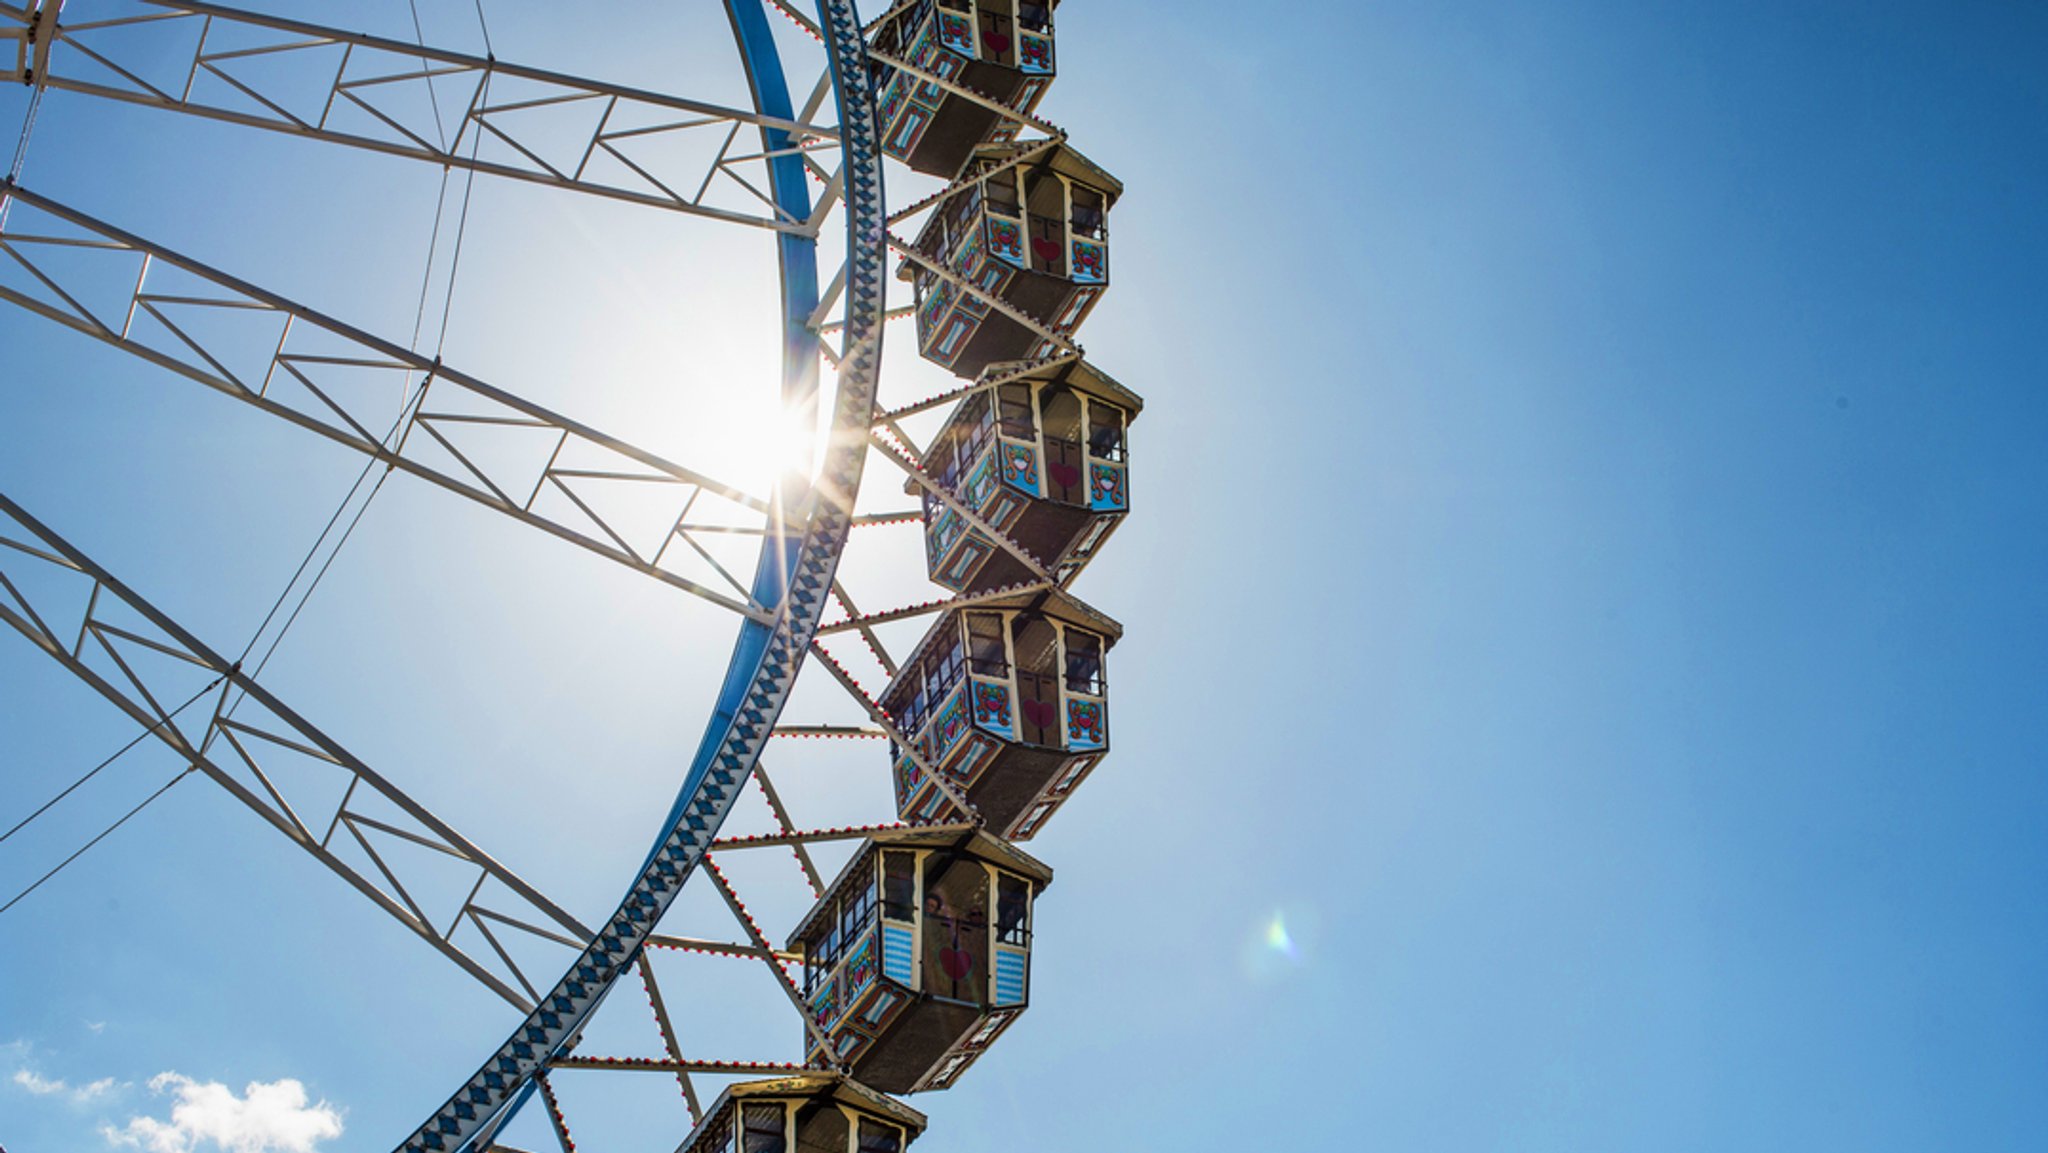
x=796 y=573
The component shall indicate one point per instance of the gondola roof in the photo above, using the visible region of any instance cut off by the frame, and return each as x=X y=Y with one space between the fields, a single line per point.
x=961 y=837
x=809 y=1082
x=1053 y=602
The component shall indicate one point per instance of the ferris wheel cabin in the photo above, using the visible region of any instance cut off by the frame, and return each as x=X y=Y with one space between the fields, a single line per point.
x=1000 y=49
x=919 y=955
x=1009 y=700
x=1033 y=235
x=1041 y=460
x=809 y=1112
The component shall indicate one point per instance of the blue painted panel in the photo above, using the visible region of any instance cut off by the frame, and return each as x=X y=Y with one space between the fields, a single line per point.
x=1020 y=464
x=949 y=723
x=899 y=954
x=992 y=708
x=1006 y=241
x=966 y=562
x=858 y=971
x=1010 y=970
x=1091 y=262
x=957 y=33
x=1087 y=724
x=1034 y=54
x=1106 y=487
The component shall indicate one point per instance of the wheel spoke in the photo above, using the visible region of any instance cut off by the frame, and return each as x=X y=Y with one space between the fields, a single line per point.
x=250 y=737
x=898 y=457
x=765 y=670
x=550 y=472
x=376 y=94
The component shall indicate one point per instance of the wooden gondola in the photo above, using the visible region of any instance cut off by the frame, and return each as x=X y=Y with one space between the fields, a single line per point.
x=1043 y=461
x=1032 y=233
x=813 y=1111
x=1008 y=699
x=919 y=955
x=1000 y=50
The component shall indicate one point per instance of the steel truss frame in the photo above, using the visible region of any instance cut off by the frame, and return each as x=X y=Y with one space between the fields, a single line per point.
x=366 y=79
x=570 y=493
x=808 y=531
x=768 y=660
x=140 y=662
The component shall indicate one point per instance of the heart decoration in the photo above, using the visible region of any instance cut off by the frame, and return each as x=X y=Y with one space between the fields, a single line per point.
x=1047 y=250
x=957 y=963
x=996 y=41
x=1064 y=475
x=1040 y=713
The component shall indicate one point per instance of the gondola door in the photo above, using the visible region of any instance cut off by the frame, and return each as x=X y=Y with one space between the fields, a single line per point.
x=1064 y=461
x=1036 y=644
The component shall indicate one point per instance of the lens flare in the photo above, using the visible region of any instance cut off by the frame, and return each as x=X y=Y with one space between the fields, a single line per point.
x=1279 y=944
x=1277 y=938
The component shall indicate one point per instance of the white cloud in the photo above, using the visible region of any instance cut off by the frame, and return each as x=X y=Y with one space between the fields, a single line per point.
x=43 y=1086
x=268 y=1117
x=38 y=1084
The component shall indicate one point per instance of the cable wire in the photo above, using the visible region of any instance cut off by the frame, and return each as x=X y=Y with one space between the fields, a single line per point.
x=407 y=413
x=104 y=834
x=461 y=225
x=419 y=37
x=28 y=129
x=489 y=52
x=408 y=410
x=118 y=753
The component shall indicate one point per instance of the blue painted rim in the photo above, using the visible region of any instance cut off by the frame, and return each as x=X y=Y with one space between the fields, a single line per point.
x=807 y=529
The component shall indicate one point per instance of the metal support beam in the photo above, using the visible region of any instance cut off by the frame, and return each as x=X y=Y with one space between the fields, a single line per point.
x=803 y=837
x=509 y=455
x=389 y=96
x=651 y=1065
x=932 y=266
x=274 y=761
x=962 y=601
x=887 y=724
x=721 y=949
x=1013 y=371
x=927 y=77
x=803 y=855
x=16 y=23
x=767 y=953
x=923 y=480
x=666 y=1027
x=1030 y=153
x=765 y=664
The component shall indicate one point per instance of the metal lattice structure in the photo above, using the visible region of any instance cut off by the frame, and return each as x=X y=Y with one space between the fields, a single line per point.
x=803 y=172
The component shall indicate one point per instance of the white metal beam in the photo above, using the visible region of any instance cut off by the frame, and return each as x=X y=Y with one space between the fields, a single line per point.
x=372 y=93
x=578 y=493
x=103 y=645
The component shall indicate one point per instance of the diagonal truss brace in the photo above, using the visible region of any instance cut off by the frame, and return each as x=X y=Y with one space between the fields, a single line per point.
x=1011 y=372
x=476 y=440
x=966 y=181
x=882 y=720
x=135 y=657
x=386 y=96
x=864 y=621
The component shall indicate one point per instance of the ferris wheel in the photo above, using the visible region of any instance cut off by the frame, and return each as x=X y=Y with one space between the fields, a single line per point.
x=979 y=706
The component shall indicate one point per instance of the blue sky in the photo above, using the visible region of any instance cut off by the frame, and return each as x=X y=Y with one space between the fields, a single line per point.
x=1586 y=588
